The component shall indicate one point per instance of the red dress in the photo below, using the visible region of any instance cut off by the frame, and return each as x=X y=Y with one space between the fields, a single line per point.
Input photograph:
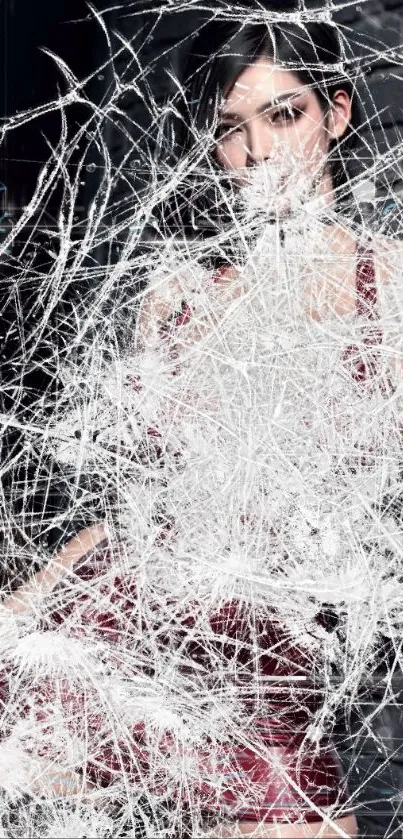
x=274 y=768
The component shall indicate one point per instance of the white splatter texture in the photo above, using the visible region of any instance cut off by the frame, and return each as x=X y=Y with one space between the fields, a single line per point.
x=250 y=485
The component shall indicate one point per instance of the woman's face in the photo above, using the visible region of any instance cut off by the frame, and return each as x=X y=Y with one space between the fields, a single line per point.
x=269 y=114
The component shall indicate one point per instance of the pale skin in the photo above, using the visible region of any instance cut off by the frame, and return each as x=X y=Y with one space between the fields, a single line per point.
x=266 y=109
x=268 y=114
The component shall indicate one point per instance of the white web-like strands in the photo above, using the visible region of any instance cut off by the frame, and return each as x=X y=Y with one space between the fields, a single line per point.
x=250 y=484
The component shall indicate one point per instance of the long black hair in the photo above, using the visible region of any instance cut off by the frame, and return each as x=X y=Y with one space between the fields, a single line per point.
x=220 y=52
x=223 y=49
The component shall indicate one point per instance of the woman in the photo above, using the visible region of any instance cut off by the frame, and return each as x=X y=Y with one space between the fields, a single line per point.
x=268 y=777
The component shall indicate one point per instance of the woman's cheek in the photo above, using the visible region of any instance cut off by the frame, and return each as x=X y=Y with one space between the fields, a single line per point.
x=231 y=155
x=316 y=144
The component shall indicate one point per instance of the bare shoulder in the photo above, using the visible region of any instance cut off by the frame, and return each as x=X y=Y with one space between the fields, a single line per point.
x=164 y=304
x=161 y=301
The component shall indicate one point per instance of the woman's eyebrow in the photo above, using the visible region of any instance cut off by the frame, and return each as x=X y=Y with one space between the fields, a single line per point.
x=267 y=106
x=285 y=97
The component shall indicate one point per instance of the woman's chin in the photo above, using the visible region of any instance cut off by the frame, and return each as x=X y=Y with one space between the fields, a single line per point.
x=276 y=189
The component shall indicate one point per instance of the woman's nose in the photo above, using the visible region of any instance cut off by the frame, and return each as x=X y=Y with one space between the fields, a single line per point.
x=258 y=144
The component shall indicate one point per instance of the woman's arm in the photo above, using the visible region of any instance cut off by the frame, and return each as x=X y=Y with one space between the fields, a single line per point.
x=44 y=778
x=42 y=583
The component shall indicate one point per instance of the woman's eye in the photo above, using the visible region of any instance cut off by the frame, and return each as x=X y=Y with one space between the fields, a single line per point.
x=283 y=115
x=227 y=131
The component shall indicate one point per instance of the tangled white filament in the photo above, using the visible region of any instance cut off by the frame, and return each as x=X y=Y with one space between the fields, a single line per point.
x=237 y=460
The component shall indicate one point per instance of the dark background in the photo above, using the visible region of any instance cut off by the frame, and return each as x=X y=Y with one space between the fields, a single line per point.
x=29 y=77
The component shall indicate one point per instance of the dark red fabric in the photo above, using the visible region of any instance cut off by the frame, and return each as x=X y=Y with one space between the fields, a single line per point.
x=252 y=788
x=363 y=359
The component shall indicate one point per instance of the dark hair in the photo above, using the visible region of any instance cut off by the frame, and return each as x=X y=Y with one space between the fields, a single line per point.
x=223 y=49
x=220 y=52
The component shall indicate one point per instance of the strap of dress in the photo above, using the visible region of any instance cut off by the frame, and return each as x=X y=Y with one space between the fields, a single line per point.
x=365 y=284
x=364 y=364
